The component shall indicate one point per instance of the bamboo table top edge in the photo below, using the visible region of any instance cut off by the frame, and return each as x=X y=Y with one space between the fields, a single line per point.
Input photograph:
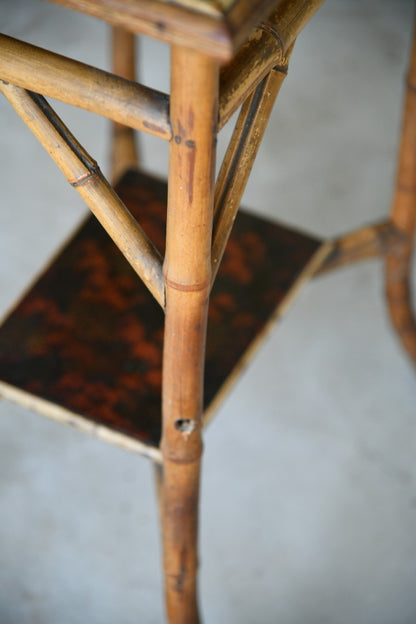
x=215 y=27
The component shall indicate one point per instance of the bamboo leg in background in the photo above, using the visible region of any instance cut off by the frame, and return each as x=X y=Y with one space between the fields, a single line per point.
x=403 y=217
x=124 y=153
x=187 y=269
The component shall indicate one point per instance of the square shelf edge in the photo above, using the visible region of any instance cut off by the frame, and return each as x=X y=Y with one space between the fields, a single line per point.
x=84 y=344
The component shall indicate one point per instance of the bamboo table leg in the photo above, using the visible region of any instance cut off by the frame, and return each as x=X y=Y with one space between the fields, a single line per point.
x=124 y=151
x=398 y=262
x=194 y=105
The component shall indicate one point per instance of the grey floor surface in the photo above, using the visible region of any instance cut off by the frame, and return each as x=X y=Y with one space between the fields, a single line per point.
x=308 y=498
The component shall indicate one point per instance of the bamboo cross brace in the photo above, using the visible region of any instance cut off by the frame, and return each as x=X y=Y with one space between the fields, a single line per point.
x=371 y=241
x=83 y=174
x=239 y=159
x=92 y=89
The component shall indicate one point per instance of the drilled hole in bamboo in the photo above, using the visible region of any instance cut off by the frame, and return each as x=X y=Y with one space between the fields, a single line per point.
x=185 y=425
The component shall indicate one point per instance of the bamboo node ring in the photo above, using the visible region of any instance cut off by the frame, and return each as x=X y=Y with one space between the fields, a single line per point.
x=186 y=287
x=406 y=188
x=84 y=178
x=271 y=29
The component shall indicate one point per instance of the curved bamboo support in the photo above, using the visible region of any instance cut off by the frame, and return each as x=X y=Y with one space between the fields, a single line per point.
x=194 y=97
x=124 y=153
x=403 y=216
x=64 y=79
x=83 y=174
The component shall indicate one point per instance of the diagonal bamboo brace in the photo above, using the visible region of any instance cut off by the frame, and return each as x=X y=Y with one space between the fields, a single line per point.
x=239 y=159
x=83 y=173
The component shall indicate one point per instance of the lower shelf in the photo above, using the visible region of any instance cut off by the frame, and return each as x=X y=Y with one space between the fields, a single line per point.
x=84 y=345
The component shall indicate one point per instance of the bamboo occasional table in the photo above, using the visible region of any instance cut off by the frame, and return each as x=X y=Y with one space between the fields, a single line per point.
x=91 y=344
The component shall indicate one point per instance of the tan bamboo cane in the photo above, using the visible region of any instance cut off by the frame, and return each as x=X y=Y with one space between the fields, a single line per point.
x=83 y=174
x=158 y=477
x=371 y=241
x=239 y=159
x=89 y=88
x=403 y=216
x=194 y=100
x=124 y=153
x=266 y=48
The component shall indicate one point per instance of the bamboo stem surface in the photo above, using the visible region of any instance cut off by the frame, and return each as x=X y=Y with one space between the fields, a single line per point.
x=95 y=90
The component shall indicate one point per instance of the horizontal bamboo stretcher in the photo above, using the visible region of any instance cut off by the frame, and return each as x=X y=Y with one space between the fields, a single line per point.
x=84 y=345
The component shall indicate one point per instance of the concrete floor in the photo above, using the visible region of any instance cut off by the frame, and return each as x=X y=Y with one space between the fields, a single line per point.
x=308 y=498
